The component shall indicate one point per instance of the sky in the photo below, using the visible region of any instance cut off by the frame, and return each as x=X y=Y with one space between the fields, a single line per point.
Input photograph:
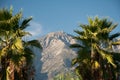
x=63 y=15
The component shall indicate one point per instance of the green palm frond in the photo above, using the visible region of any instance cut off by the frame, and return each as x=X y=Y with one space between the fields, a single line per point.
x=18 y=43
x=3 y=51
x=79 y=32
x=34 y=43
x=22 y=33
x=76 y=46
x=24 y=24
x=96 y=49
x=116 y=56
x=106 y=55
x=10 y=23
x=11 y=10
x=105 y=23
x=16 y=58
x=95 y=65
x=84 y=27
x=84 y=53
x=29 y=55
x=113 y=36
x=12 y=47
x=15 y=19
x=90 y=21
x=75 y=60
x=108 y=24
x=112 y=27
x=4 y=14
x=116 y=43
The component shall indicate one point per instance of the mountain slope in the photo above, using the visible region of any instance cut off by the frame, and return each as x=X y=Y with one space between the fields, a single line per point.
x=55 y=57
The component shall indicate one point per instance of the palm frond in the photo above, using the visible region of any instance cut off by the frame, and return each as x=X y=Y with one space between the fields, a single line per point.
x=25 y=23
x=112 y=27
x=113 y=36
x=105 y=23
x=10 y=23
x=90 y=21
x=22 y=33
x=99 y=56
x=35 y=43
x=79 y=32
x=28 y=54
x=106 y=55
x=17 y=44
x=116 y=43
x=15 y=19
x=12 y=47
x=74 y=61
x=4 y=14
x=116 y=56
x=16 y=59
x=76 y=46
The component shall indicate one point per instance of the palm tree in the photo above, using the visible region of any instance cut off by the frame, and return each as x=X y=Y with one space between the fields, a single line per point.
x=15 y=54
x=67 y=76
x=96 y=59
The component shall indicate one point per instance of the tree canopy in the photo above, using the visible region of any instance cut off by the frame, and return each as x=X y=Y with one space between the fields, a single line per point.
x=96 y=58
x=15 y=53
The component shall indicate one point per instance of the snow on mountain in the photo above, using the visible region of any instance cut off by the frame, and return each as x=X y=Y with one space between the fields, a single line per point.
x=55 y=57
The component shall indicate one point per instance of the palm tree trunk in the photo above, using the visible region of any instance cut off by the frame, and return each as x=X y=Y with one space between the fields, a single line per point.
x=10 y=71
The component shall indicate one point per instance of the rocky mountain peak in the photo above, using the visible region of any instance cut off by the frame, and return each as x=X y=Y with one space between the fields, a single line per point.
x=54 y=37
x=56 y=55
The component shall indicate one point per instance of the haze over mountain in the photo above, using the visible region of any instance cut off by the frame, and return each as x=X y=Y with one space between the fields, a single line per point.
x=56 y=55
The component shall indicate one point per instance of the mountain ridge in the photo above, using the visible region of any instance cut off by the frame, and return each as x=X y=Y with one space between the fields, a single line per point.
x=56 y=55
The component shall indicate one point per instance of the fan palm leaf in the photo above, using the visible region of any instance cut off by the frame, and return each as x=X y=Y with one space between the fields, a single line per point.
x=96 y=49
x=13 y=49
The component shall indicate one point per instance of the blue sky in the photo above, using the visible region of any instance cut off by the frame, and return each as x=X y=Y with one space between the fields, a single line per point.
x=63 y=15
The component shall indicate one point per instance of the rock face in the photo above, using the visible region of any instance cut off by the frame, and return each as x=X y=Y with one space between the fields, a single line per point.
x=55 y=57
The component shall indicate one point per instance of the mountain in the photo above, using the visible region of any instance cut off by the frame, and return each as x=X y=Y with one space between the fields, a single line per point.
x=55 y=57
